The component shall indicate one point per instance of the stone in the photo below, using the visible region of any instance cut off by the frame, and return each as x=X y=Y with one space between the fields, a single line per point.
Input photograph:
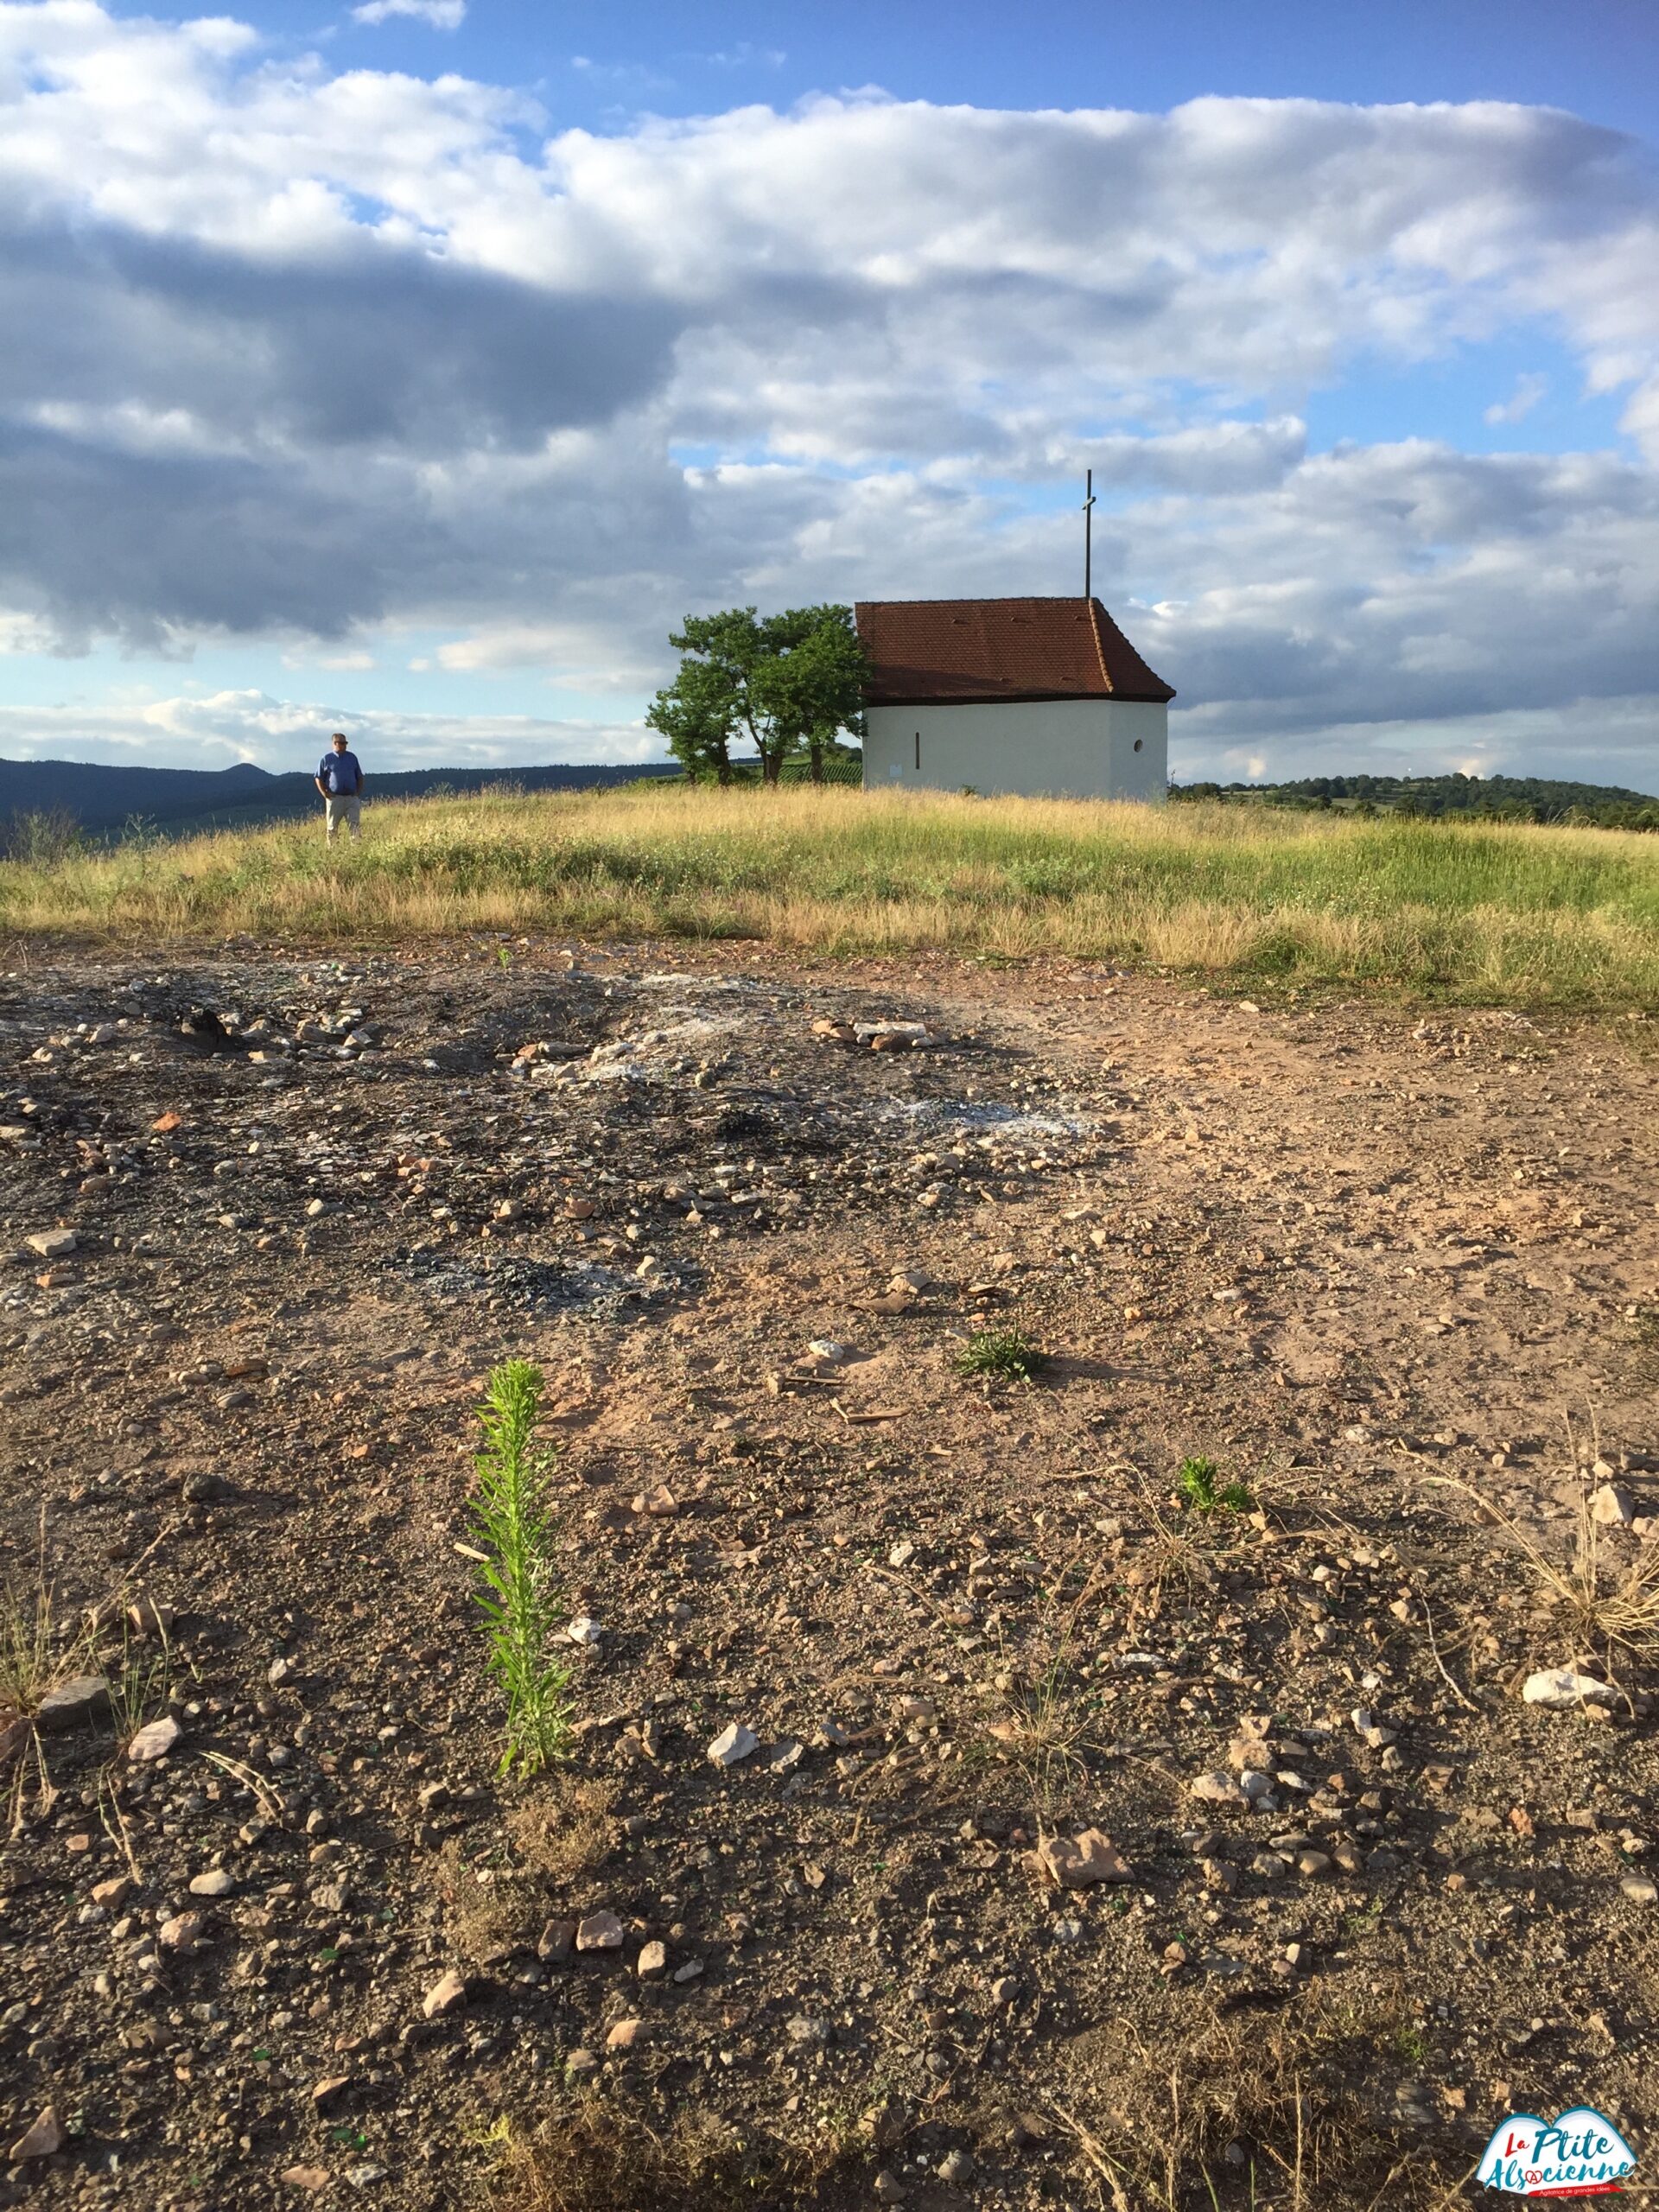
x=314 y=2178
x=733 y=1744
x=601 y=1931
x=1639 y=1889
x=217 y=1882
x=1560 y=1689
x=652 y=1960
x=1310 y=1862
x=584 y=1630
x=888 y=2187
x=828 y=1350
x=1217 y=1788
x=954 y=2166
x=53 y=1244
x=1371 y=1731
x=445 y=1996
x=809 y=2032
x=76 y=1704
x=581 y=2061
x=1613 y=1506
x=181 y=1933
x=155 y=1740
x=1076 y=1863
x=692 y=1970
x=147 y=1618
x=325 y=2091
x=1005 y=1990
x=555 y=1942
x=42 y=2140
x=625 y=2035
x=114 y=1892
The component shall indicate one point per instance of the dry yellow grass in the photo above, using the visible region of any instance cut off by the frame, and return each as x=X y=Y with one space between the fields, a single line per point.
x=1493 y=913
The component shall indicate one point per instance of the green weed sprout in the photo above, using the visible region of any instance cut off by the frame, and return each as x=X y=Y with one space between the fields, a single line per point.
x=1000 y=1354
x=1197 y=1484
x=511 y=1526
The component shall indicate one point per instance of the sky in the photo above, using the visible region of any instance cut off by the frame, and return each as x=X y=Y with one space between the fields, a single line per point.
x=413 y=368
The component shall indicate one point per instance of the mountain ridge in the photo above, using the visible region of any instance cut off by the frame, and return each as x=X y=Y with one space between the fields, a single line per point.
x=102 y=797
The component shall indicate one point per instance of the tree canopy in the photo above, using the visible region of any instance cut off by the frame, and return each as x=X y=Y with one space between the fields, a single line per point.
x=789 y=683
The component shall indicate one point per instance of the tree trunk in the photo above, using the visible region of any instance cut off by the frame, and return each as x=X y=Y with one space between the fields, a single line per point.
x=771 y=766
x=815 y=758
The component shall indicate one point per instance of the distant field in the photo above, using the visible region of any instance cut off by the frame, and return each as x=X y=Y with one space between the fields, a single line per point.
x=1495 y=914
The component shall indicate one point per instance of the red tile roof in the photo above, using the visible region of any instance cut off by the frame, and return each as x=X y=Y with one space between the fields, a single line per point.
x=961 y=652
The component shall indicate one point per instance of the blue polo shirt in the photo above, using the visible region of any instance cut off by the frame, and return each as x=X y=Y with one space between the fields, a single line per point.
x=340 y=775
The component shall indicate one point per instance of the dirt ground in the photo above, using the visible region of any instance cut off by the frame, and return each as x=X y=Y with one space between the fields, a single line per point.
x=1396 y=1280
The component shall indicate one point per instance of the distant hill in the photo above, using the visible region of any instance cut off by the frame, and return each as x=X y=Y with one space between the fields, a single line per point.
x=105 y=800
x=1496 y=798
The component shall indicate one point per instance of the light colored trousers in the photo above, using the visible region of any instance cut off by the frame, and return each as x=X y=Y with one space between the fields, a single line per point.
x=348 y=810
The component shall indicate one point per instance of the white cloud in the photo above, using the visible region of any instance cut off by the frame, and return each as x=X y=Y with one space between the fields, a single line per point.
x=305 y=355
x=442 y=15
x=1529 y=389
x=355 y=662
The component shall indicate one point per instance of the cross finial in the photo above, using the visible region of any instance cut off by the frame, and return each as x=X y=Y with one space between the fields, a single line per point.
x=1088 y=533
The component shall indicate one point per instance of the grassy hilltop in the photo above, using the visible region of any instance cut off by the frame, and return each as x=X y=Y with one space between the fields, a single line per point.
x=1520 y=914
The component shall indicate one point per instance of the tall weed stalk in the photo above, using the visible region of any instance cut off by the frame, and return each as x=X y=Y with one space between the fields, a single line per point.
x=512 y=1527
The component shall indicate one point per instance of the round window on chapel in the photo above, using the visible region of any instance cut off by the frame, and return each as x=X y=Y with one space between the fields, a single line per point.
x=1139 y=742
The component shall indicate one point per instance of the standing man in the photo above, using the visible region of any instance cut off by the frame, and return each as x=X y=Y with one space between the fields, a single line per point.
x=340 y=778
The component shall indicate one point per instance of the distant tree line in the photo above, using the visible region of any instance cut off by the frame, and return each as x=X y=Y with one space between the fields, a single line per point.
x=1470 y=798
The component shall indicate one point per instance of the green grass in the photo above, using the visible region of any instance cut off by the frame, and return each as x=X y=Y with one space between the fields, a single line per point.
x=1199 y=1488
x=1497 y=913
x=512 y=1525
x=1000 y=1355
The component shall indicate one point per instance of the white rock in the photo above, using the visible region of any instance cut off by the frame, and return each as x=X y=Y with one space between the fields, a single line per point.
x=1558 y=1689
x=447 y=1994
x=827 y=1348
x=733 y=1744
x=1218 y=1789
x=1613 y=1506
x=584 y=1630
x=41 y=2141
x=217 y=1882
x=599 y=1931
x=155 y=1740
x=53 y=1244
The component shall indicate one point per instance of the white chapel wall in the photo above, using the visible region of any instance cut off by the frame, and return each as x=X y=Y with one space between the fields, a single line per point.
x=1075 y=748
